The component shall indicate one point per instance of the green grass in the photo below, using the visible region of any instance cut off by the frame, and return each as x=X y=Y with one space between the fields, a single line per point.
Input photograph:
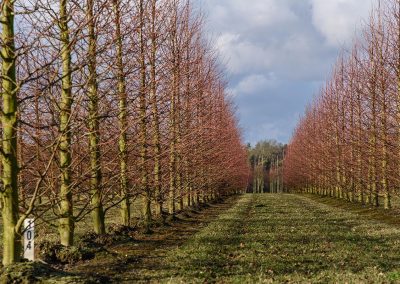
x=266 y=238
x=286 y=238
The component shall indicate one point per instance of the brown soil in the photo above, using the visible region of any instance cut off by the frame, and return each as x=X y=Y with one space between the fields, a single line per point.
x=131 y=261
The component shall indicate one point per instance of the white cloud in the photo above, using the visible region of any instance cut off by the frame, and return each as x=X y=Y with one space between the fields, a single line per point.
x=254 y=84
x=265 y=130
x=248 y=14
x=242 y=55
x=263 y=12
x=338 y=20
x=276 y=51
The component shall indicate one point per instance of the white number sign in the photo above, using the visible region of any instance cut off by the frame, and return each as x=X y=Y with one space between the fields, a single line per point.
x=29 y=239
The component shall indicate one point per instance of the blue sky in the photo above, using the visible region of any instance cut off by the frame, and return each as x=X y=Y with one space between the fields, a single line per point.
x=278 y=54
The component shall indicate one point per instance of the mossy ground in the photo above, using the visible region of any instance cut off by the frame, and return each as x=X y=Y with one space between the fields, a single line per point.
x=285 y=238
x=260 y=239
x=47 y=231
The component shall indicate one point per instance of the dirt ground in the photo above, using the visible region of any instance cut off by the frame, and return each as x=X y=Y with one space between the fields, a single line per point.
x=264 y=238
x=134 y=260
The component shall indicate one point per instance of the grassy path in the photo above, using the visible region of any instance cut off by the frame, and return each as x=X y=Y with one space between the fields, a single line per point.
x=281 y=238
x=257 y=239
x=141 y=258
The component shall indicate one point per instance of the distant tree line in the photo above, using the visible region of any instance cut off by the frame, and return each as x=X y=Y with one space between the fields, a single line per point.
x=266 y=159
x=107 y=102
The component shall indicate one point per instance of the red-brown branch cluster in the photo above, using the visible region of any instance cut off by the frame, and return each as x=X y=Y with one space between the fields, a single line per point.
x=178 y=112
x=348 y=142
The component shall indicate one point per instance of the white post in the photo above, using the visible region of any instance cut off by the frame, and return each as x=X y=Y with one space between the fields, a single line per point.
x=29 y=239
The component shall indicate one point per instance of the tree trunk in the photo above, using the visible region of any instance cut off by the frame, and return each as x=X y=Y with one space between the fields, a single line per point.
x=122 y=122
x=172 y=123
x=156 y=118
x=143 y=125
x=94 y=135
x=10 y=214
x=66 y=222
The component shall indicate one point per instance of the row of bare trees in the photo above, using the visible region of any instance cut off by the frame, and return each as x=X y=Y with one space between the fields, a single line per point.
x=108 y=102
x=347 y=144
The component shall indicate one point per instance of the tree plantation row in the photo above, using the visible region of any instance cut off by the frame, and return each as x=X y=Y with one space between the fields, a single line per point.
x=347 y=144
x=105 y=103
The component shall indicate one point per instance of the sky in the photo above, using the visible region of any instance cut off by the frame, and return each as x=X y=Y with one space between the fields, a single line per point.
x=278 y=54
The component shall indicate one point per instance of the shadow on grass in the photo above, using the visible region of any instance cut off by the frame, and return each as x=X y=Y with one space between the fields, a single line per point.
x=284 y=238
x=391 y=216
x=131 y=260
